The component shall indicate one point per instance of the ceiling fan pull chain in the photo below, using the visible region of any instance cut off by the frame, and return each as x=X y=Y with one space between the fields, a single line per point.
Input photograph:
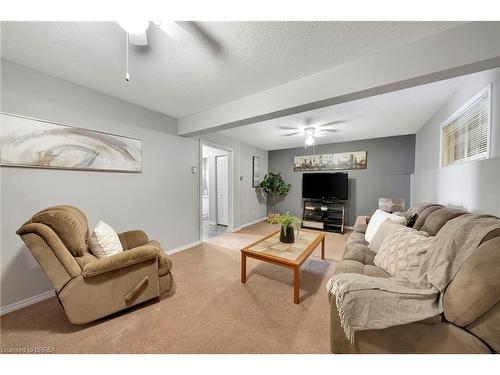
x=127 y=75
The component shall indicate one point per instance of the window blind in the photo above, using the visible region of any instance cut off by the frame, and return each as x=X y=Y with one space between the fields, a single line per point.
x=465 y=137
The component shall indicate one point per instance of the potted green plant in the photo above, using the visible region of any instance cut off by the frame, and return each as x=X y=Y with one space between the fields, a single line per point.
x=288 y=224
x=275 y=187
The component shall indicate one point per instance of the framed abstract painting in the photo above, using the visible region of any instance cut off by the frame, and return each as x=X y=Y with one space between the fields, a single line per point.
x=30 y=142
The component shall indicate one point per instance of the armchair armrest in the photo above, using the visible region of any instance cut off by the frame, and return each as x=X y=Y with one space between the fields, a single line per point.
x=127 y=258
x=361 y=224
x=132 y=239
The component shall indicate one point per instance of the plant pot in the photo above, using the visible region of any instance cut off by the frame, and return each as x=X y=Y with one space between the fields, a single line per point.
x=288 y=235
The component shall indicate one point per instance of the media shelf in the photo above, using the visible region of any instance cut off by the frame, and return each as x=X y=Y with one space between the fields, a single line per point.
x=324 y=215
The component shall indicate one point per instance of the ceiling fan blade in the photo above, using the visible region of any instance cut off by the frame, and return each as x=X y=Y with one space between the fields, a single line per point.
x=329 y=130
x=294 y=133
x=287 y=128
x=331 y=123
x=175 y=31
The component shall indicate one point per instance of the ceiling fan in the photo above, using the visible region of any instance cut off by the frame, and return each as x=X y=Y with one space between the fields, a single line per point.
x=311 y=132
x=182 y=33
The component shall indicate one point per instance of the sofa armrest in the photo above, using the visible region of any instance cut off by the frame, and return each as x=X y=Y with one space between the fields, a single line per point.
x=132 y=239
x=127 y=258
x=361 y=224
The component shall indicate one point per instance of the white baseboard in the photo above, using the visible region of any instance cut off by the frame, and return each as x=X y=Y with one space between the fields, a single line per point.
x=183 y=247
x=248 y=224
x=26 y=302
x=45 y=295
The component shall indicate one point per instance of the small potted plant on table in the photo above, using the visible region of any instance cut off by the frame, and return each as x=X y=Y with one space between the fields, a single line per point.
x=288 y=223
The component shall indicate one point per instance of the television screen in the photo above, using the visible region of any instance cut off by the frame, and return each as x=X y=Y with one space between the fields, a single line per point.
x=324 y=186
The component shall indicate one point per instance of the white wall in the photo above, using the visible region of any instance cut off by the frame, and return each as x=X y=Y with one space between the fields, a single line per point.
x=475 y=185
x=162 y=200
x=248 y=203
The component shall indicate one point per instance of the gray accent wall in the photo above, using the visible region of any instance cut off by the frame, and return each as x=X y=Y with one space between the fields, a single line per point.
x=162 y=200
x=474 y=185
x=390 y=162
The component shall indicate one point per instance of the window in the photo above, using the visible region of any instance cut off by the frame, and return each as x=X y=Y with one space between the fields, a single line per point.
x=465 y=135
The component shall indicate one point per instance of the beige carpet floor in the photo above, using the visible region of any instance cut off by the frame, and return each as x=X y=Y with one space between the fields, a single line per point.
x=210 y=312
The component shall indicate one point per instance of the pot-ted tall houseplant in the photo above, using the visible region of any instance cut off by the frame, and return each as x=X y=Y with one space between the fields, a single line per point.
x=288 y=224
x=275 y=188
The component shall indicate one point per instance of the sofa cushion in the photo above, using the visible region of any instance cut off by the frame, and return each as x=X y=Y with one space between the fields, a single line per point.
x=353 y=266
x=70 y=225
x=438 y=218
x=355 y=238
x=423 y=211
x=360 y=253
x=476 y=286
x=361 y=224
x=377 y=219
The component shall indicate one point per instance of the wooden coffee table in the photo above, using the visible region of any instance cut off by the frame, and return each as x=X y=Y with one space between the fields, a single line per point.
x=293 y=255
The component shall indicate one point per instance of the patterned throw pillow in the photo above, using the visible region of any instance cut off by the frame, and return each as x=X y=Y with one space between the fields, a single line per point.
x=103 y=241
x=402 y=250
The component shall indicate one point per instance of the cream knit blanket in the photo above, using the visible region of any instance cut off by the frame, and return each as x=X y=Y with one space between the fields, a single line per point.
x=365 y=302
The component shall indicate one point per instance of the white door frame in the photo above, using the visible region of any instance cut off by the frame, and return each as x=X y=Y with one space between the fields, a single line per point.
x=217 y=189
x=230 y=219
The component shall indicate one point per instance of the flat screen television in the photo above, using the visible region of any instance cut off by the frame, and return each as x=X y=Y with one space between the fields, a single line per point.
x=325 y=186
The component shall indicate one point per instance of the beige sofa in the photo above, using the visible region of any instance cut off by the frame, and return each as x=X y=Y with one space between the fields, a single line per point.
x=89 y=288
x=471 y=319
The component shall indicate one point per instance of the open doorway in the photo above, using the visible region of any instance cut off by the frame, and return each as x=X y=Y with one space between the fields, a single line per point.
x=215 y=191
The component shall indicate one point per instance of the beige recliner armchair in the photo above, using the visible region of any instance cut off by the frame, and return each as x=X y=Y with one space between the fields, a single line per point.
x=89 y=288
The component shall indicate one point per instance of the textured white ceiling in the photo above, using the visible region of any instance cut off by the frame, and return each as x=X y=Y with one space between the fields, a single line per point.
x=396 y=113
x=226 y=60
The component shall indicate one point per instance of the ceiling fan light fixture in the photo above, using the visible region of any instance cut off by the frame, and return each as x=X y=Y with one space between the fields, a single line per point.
x=309 y=140
x=134 y=26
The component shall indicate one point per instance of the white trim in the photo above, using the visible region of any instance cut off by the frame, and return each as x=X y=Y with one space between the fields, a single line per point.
x=183 y=247
x=26 y=302
x=51 y=293
x=248 y=224
x=458 y=112
x=231 y=186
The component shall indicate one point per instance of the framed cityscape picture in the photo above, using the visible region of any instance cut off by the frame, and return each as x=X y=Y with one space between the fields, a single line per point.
x=324 y=162
x=30 y=142
x=255 y=171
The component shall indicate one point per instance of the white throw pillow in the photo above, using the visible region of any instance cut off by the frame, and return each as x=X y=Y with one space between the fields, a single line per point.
x=383 y=230
x=402 y=250
x=376 y=221
x=103 y=241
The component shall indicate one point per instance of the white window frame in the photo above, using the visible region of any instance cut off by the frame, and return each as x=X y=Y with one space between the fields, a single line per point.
x=488 y=90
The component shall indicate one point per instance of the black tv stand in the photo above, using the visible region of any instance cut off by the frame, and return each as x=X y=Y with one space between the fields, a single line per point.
x=327 y=215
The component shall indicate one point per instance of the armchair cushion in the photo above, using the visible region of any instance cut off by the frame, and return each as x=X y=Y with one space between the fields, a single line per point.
x=164 y=261
x=69 y=224
x=121 y=260
x=132 y=239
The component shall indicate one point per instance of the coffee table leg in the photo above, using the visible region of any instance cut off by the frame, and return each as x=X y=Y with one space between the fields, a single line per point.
x=296 y=285
x=243 y=268
x=323 y=248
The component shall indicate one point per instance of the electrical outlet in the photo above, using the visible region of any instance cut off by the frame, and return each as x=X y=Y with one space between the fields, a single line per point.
x=241 y=178
x=194 y=169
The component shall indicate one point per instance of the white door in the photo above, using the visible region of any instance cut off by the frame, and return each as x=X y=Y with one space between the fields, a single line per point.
x=222 y=189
